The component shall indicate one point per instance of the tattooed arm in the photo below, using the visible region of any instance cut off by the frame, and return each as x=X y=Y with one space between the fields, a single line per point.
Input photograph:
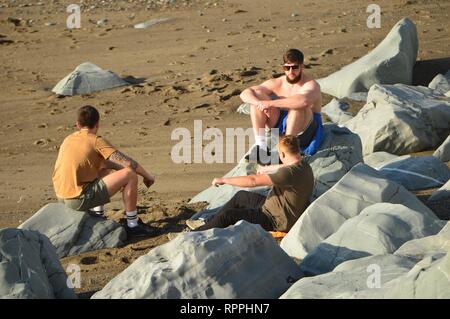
x=123 y=160
x=111 y=165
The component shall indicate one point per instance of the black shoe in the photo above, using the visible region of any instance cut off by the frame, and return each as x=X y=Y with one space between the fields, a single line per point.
x=257 y=152
x=141 y=230
x=96 y=215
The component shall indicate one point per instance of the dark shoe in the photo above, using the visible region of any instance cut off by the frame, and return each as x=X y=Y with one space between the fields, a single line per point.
x=141 y=230
x=262 y=157
x=96 y=215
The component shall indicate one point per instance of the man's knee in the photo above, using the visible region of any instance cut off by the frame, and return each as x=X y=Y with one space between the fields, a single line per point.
x=240 y=194
x=296 y=113
x=131 y=174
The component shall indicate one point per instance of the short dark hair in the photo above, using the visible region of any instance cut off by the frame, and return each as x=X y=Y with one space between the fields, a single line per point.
x=289 y=144
x=293 y=56
x=88 y=116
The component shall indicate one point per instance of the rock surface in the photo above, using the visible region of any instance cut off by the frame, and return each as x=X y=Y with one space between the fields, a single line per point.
x=443 y=151
x=240 y=261
x=87 y=78
x=30 y=268
x=336 y=112
x=362 y=187
x=417 y=173
x=441 y=83
x=401 y=119
x=379 y=159
x=378 y=230
x=339 y=152
x=73 y=232
x=391 y=62
x=349 y=277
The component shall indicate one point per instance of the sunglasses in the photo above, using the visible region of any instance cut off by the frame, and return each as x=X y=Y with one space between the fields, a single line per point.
x=288 y=67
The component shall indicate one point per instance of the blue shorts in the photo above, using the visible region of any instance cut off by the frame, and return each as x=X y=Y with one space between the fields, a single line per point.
x=281 y=123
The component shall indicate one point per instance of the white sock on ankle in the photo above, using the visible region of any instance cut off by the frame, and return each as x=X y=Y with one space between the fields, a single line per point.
x=132 y=219
x=261 y=141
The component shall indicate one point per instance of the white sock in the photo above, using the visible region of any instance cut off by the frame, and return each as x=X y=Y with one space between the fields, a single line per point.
x=261 y=141
x=132 y=219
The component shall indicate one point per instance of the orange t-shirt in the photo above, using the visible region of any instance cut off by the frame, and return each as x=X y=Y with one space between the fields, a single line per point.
x=78 y=162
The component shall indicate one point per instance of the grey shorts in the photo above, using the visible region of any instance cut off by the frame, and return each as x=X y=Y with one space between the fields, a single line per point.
x=94 y=194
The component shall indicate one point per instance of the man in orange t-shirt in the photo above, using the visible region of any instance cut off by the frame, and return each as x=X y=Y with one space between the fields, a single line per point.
x=82 y=178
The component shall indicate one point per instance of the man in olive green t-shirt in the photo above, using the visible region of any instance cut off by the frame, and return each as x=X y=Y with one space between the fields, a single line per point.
x=292 y=185
x=89 y=170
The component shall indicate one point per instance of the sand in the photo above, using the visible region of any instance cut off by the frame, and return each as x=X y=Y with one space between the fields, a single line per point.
x=191 y=67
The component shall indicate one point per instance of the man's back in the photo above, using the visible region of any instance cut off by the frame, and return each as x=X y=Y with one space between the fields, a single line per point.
x=78 y=163
x=289 y=197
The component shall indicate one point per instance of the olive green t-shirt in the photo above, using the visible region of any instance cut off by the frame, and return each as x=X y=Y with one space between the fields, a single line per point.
x=289 y=196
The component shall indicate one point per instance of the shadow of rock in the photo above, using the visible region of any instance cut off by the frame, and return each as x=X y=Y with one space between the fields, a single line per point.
x=425 y=71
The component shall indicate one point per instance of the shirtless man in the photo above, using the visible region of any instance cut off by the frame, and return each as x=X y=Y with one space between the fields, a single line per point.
x=287 y=103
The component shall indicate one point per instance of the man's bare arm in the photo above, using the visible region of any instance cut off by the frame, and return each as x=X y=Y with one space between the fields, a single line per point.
x=244 y=181
x=121 y=159
x=125 y=161
x=297 y=101
x=111 y=165
x=249 y=94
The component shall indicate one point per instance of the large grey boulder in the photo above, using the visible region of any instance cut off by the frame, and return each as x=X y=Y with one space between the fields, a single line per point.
x=29 y=267
x=443 y=151
x=339 y=152
x=362 y=187
x=336 y=111
x=379 y=159
x=391 y=62
x=350 y=277
x=441 y=83
x=401 y=119
x=428 y=279
x=378 y=230
x=73 y=232
x=87 y=78
x=408 y=266
x=441 y=193
x=420 y=248
x=240 y=261
x=416 y=173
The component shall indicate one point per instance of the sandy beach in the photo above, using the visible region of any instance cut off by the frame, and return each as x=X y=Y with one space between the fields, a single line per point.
x=191 y=67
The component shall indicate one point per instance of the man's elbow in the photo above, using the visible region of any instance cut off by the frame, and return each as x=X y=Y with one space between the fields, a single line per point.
x=253 y=182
